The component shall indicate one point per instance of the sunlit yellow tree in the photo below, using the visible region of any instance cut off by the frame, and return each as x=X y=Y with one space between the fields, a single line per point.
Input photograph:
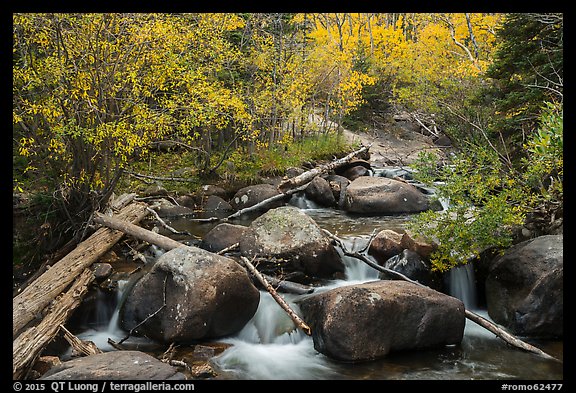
x=92 y=90
x=338 y=80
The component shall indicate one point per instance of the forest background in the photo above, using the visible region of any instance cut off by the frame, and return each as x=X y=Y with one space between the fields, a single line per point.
x=95 y=94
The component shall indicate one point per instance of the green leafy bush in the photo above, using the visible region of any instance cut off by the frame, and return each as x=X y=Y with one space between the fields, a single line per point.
x=487 y=197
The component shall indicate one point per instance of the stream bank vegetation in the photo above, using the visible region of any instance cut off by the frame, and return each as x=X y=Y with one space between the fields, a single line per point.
x=97 y=97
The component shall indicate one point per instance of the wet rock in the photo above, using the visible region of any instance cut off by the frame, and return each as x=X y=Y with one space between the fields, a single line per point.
x=171 y=210
x=380 y=195
x=368 y=321
x=355 y=172
x=222 y=236
x=102 y=271
x=385 y=245
x=187 y=201
x=319 y=191
x=206 y=296
x=293 y=172
x=216 y=204
x=155 y=190
x=115 y=365
x=338 y=185
x=410 y=264
x=524 y=288
x=351 y=164
x=251 y=195
x=288 y=233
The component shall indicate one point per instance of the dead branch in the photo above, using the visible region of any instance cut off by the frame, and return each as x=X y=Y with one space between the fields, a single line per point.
x=253 y=208
x=281 y=302
x=138 y=232
x=225 y=250
x=164 y=225
x=308 y=176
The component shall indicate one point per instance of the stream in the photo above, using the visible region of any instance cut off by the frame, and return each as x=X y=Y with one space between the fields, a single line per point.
x=270 y=347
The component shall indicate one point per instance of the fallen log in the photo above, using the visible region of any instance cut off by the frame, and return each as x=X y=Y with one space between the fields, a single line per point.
x=168 y=244
x=28 y=345
x=483 y=322
x=29 y=304
x=281 y=302
x=308 y=176
x=138 y=232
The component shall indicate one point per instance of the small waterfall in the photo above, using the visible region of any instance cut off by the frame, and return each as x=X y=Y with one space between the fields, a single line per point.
x=270 y=346
x=302 y=202
x=106 y=324
x=462 y=285
x=356 y=270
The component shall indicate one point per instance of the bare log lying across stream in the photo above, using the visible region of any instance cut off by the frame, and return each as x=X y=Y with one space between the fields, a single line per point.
x=30 y=303
x=486 y=324
x=138 y=232
x=169 y=244
x=308 y=176
x=290 y=186
x=28 y=345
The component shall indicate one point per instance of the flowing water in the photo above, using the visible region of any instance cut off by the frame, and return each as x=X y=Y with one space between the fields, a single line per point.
x=271 y=347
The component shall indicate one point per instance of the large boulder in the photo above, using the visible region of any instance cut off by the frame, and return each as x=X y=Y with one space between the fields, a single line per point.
x=222 y=236
x=319 y=191
x=524 y=288
x=367 y=321
x=193 y=294
x=380 y=195
x=251 y=195
x=288 y=233
x=115 y=365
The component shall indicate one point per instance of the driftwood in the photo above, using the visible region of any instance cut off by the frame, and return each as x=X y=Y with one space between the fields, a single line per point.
x=28 y=345
x=29 y=304
x=308 y=176
x=81 y=347
x=281 y=302
x=168 y=244
x=138 y=232
x=492 y=327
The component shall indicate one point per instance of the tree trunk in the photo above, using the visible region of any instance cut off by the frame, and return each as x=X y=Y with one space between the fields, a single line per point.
x=308 y=176
x=30 y=303
x=28 y=346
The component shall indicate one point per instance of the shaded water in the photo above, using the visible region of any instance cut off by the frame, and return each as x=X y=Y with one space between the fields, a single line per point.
x=270 y=346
